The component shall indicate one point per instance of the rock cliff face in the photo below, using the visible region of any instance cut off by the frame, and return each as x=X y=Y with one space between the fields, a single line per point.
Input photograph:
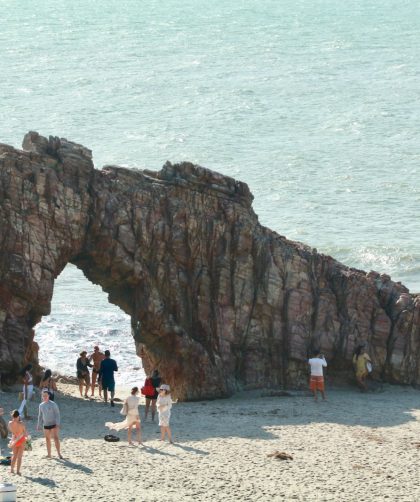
x=217 y=301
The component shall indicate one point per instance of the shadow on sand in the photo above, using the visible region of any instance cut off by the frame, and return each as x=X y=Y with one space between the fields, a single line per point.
x=73 y=465
x=249 y=414
x=50 y=483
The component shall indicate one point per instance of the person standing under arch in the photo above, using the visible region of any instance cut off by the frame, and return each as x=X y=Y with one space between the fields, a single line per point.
x=83 y=375
x=151 y=399
x=106 y=375
x=97 y=357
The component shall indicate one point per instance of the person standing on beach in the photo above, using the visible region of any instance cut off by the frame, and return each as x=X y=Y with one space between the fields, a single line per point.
x=83 y=375
x=49 y=419
x=48 y=384
x=316 y=382
x=17 y=443
x=362 y=363
x=131 y=410
x=153 y=381
x=28 y=390
x=97 y=357
x=164 y=405
x=106 y=375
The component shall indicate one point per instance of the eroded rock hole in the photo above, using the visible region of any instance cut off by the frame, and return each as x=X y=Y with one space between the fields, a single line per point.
x=82 y=317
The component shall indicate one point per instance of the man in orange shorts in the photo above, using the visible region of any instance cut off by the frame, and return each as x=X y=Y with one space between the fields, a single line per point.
x=316 y=382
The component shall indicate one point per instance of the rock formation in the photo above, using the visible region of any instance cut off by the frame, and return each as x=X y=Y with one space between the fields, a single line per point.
x=217 y=301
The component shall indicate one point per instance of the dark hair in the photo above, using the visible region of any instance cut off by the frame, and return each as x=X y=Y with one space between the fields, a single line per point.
x=134 y=390
x=358 y=350
x=155 y=373
x=47 y=375
x=15 y=413
x=26 y=368
x=107 y=353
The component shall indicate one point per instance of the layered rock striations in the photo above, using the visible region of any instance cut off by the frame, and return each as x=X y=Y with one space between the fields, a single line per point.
x=217 y=301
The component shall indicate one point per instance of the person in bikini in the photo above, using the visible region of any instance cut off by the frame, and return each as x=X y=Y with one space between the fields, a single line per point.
x=83 y=375
x=17 y=443
x=97 y=357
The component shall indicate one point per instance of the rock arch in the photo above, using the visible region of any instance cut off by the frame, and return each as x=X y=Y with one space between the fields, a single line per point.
x=217 y=301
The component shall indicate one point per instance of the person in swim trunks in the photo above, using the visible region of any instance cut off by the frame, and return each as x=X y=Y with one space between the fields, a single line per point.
x=97 y=357
x=106 y=374
x=49 y=418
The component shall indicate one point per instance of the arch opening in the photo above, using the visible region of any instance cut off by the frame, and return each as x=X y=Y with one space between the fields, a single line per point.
x=82 y=317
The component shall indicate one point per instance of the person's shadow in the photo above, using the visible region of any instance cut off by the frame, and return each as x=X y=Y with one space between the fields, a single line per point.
x=190 y=449
x=50 y=483
x=150 y=449
x=72 y=465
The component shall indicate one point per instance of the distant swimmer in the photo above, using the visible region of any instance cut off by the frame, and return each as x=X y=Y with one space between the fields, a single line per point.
x=97 y=356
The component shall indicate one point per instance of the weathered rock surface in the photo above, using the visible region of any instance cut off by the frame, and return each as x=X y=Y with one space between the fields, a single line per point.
x=217 y=301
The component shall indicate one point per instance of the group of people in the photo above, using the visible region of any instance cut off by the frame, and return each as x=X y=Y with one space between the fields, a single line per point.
x=103 y=369
x=362 y=367
x=157 y=395
x=48 y=418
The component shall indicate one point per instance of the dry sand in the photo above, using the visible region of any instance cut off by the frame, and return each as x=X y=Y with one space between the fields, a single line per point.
x=354 y=447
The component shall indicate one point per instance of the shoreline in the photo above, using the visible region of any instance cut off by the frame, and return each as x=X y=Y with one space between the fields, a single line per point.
x=352 y=447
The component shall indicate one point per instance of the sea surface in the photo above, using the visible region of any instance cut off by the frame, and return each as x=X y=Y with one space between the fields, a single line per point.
x=315 y=104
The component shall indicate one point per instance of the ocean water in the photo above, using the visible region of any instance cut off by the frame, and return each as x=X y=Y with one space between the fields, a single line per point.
x=314 y=104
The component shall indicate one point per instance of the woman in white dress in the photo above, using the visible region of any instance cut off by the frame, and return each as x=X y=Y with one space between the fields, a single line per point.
x=131 y=410
x=164 y=405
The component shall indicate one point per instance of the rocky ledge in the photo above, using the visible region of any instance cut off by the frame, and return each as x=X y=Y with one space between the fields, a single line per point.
x=217 y=301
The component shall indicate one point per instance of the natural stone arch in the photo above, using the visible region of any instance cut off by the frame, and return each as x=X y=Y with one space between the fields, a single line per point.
x=217 y=301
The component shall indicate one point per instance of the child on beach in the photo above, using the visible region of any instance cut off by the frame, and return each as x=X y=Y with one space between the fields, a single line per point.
x=164 y=405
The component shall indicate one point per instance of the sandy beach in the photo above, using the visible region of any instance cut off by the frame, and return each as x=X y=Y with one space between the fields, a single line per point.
x=354 y=447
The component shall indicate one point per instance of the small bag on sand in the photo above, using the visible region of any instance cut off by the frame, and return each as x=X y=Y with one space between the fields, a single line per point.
x=111 y=438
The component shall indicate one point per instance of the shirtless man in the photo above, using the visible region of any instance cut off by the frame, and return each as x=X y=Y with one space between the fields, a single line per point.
x=96 y=357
